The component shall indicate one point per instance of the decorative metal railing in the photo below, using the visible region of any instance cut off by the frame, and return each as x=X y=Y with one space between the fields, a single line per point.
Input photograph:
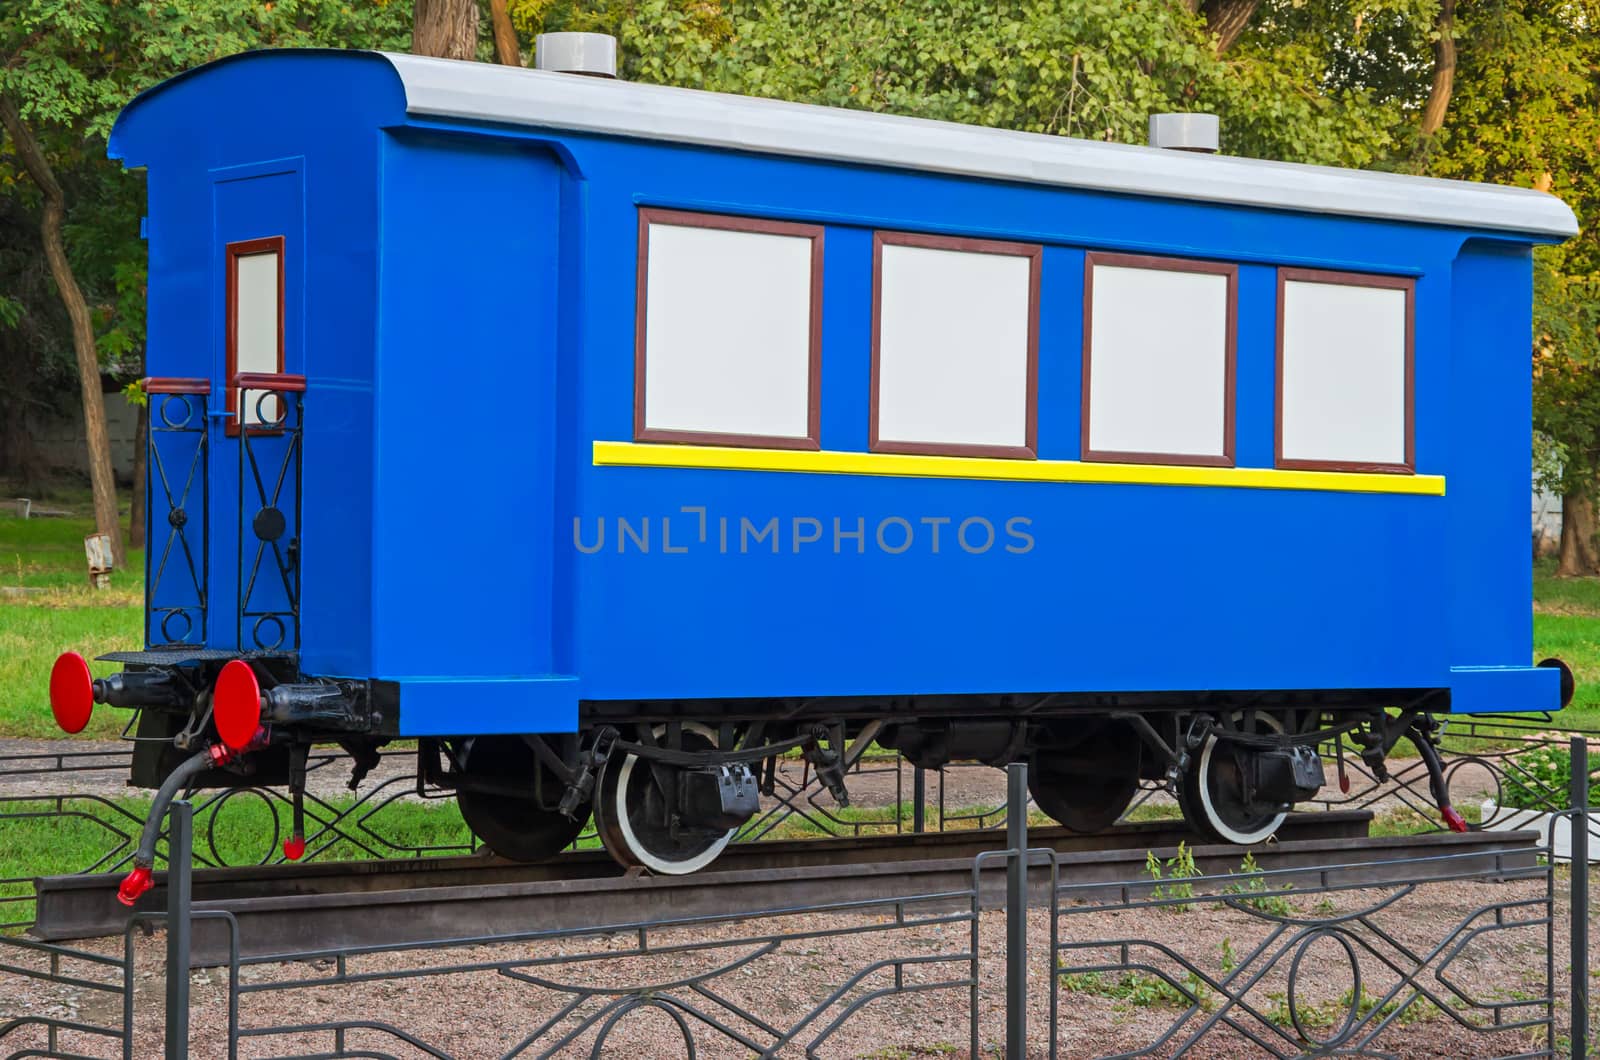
x=1274 y=964
x=1446 y=952
x=1502 y=769
x=177 y=561
x=270 y=451
x=1504 y=764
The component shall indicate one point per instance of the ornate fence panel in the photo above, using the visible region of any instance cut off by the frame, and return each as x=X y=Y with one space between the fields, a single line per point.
x=1458 y=959
x=1450 y=953
x=1504 y=771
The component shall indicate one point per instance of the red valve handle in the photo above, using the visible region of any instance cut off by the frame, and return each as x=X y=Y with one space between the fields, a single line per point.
x=136 y=883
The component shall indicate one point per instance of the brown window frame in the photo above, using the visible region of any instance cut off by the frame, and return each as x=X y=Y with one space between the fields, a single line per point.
x=247 y=248
x=729 y=223
x=1230 y=377
x=1034 y=252
x=1384 y=281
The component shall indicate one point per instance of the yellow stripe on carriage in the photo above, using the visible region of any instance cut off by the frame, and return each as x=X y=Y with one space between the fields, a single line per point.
x=826 y=462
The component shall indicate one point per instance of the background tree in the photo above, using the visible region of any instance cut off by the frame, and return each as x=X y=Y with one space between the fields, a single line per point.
x=1091 y=70
x=1511 y=96
x=1526 y=111
x=447 y=29
x=1499 y=90
x=52 y=214
x=65 y=71
x=507 y=51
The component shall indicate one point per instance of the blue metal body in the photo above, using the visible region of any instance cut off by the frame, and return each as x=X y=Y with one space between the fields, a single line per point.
x=461 y=300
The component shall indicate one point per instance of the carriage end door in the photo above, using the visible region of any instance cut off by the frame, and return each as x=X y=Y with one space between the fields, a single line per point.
x=258 y=392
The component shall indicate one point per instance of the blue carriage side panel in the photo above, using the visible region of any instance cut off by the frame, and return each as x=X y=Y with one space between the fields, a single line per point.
x=467 y=308
x=280 y=144
x=1237 y=588
x=1491 y=439
x=466 y=412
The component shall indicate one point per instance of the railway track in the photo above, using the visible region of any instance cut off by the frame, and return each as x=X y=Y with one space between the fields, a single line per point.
x=299 y=908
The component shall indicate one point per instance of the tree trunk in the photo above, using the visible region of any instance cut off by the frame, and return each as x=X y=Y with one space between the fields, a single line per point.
x=1226 y=20
x=136 y=501
x=1444 y=73
x=447 y=29
x=55 y=252
x=1579 y=554
x=506 y=52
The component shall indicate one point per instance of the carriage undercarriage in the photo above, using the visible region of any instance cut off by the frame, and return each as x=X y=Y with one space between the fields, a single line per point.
x=667 y=785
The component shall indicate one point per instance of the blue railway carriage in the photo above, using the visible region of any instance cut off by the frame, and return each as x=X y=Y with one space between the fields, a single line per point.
x=612 y=440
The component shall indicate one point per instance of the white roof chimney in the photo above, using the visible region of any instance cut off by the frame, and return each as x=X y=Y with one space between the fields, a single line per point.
x=1185 y=132
x=594 y=54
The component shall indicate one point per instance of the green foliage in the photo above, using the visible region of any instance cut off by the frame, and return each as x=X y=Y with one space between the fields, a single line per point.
x=1141 y=990
x=1339 y=82
x=70 y=66
x=1566 y=369
x=1541 y=778
x=73 y=64
x=1370 y=1007
x=1093 y=70
x=1136 y=989
x=1264 y=898
x=1527 y=111
x=1177 y=871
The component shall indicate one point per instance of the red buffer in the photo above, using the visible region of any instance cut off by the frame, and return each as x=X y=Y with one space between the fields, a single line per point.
x=71 y=692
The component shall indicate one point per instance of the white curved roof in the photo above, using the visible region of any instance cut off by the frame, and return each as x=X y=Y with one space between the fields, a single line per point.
x=444 y=88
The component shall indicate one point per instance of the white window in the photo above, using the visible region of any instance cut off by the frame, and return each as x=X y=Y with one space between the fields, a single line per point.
x=955 y=348
x=255 y=323
x=1158 y=360
x=1344 y=371
x=729 y=342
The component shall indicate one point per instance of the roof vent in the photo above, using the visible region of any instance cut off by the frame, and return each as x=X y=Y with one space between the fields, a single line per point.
x=1185 y=132
x=594 y=54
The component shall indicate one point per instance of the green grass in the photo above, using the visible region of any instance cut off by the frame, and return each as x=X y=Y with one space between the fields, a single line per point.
x=1566 y=623
x=95 y=834
x=1404 y=822
x=60 y=613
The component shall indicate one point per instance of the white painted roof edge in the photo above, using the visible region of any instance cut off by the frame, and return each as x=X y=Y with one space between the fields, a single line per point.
x=445 y=88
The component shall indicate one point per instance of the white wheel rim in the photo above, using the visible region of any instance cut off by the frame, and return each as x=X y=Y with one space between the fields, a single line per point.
x=1233 y=835
x=630 y=838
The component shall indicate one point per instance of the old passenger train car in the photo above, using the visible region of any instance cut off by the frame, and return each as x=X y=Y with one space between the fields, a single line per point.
x=612 y=440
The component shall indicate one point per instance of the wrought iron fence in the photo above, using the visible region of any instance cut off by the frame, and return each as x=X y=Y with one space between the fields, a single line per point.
x=1506 y=772
x=1262 y=963
x=1444 y=953
x=345 y=822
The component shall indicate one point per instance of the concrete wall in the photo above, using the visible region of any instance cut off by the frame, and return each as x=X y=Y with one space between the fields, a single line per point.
x=1546 y=522
x=62 y=447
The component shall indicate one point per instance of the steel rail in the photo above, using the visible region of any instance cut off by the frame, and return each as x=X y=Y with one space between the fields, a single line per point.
x=300 y=908
x=76 y=906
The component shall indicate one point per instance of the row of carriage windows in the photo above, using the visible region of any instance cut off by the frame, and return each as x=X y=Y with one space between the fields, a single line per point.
x=729 y=349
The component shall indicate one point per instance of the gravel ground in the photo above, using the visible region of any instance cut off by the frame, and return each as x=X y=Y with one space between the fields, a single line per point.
x=480 y=1012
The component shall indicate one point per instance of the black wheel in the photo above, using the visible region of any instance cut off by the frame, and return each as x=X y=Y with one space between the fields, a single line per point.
x=1211 y=794
x=1087 y=787
x=630 y=814
x=521 y=829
